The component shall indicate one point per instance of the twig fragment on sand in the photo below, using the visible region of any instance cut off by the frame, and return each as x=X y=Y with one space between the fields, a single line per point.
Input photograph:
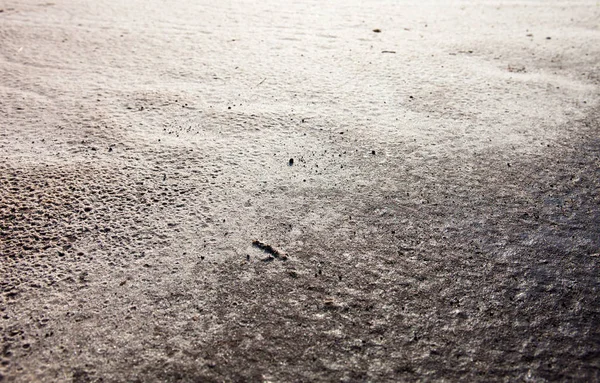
x=269 y=250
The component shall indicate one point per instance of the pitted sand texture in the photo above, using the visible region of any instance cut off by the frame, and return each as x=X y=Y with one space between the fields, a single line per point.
x=299 y=191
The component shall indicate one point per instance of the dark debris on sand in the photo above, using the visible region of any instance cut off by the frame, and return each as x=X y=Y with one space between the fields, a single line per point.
x=269 y=250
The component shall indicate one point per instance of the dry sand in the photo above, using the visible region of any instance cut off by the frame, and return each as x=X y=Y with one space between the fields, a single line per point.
x=440 y=220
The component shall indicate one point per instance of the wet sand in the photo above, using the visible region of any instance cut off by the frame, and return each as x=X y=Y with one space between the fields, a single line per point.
x=350 y=191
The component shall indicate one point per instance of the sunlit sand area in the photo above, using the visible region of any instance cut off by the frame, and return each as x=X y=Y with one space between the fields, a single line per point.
x=299 y=191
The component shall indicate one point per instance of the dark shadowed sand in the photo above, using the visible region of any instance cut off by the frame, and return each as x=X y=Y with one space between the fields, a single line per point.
x=299 y=191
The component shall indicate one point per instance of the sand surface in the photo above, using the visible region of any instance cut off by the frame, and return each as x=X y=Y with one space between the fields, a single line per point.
x=440 y=219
